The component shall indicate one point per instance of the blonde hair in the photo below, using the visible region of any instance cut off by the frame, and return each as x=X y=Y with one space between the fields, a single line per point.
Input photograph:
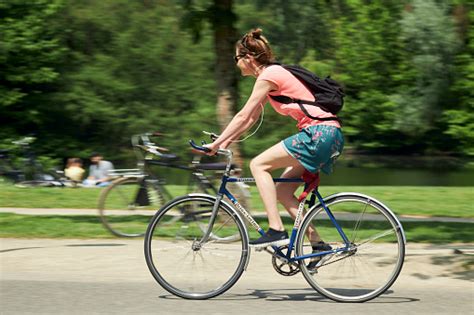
x=256 y=45
x=72 y=161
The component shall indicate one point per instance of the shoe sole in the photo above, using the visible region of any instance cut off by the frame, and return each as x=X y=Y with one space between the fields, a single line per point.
x=275 y=243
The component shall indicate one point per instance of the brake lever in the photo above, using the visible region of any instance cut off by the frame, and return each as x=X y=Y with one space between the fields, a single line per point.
x=212 y=135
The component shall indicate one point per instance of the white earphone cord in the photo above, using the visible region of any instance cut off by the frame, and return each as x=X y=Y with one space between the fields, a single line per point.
x=258 y=127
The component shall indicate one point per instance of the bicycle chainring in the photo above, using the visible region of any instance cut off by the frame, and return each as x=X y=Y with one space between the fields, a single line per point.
x=282 y=267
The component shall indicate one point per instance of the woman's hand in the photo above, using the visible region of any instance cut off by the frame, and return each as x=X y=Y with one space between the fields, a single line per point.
x=213 y=147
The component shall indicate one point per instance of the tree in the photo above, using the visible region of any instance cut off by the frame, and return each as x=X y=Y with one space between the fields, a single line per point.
x=127 y=74
x=459 y=117
x=222 y=19
x=427 y=31
x=30 y=52
x=366 y=57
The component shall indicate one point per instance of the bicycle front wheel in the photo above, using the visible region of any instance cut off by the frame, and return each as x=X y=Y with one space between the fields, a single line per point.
x=127 y=205
x=181 y=263
x=369 y=265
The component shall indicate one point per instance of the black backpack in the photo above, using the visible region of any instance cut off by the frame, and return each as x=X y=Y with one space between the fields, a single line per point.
x=327 y=92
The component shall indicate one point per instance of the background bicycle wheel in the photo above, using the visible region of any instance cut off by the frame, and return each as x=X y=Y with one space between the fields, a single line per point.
x=127 y=206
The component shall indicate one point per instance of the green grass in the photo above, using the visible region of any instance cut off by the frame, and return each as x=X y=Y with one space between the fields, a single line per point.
x=55 y=226
x=403 y=200
x=48 y=197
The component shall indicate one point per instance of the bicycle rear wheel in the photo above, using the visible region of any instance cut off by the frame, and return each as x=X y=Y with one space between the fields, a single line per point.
x=374 y=259
x=180 y=263
x=127 y=205
x=39 y=183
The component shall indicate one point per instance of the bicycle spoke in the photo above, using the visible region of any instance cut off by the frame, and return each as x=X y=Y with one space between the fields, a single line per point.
x=366 y=268
x=218 y=254
x=222 y=225
x=194 y=276
x=356 y=228
x=377 y=236
x=118 y=211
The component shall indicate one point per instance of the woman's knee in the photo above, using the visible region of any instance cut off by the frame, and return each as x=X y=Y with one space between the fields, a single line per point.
x=258 y=165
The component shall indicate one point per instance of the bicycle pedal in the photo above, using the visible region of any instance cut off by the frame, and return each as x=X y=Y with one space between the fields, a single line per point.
x=260 y=249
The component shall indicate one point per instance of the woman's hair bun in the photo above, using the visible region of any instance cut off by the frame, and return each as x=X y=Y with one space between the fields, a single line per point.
x=256 y=33
x=255 y=44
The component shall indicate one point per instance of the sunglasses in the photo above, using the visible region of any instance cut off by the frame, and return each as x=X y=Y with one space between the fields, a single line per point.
x=238 y=57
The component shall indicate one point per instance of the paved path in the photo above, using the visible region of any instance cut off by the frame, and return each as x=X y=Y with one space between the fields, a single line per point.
x=45 y=211
x=69 y=276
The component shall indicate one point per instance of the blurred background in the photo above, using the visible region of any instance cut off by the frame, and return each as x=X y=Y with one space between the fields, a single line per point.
x=83 y=76
x=78 y=77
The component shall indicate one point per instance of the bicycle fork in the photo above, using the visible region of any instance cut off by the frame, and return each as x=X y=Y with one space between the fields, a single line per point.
x=197 y=245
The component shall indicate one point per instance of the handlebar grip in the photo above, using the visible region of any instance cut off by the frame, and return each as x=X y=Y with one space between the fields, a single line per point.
x=199 y=148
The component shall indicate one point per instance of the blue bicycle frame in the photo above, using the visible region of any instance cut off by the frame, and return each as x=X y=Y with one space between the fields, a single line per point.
x=223 y=191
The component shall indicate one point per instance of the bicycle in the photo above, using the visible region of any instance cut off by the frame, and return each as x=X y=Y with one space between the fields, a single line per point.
x=31 y=173
x=126 y=205
x=8 y=169
x=192 y=263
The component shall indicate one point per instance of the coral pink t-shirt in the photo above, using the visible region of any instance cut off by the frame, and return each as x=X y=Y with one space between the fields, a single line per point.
x=289 y=85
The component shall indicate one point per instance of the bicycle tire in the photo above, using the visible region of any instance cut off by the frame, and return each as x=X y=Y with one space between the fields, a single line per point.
x=38 y=183
x=377 y=251
x=119 y=211
x=181 y=268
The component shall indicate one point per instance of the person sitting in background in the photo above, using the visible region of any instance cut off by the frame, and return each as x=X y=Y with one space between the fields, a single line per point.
x=98 y=172
x=74 y=170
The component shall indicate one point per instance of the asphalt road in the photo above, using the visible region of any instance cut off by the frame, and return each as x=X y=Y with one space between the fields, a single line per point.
x=43 y=276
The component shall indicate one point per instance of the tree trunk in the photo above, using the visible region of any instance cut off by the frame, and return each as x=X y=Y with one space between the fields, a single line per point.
x=225 y=36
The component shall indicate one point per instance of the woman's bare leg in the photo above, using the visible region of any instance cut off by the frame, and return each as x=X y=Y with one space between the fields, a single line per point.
x=271 y=159
x=286 y=191
x=286 y=195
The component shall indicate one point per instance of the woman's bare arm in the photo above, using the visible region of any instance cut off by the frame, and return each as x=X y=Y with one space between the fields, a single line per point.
x=246 y=117
x=247 y=126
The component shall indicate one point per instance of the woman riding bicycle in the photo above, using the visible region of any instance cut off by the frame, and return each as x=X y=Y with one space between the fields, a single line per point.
x=315 y=147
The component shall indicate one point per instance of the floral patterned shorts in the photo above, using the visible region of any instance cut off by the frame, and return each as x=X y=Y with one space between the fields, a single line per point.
x=316 y=147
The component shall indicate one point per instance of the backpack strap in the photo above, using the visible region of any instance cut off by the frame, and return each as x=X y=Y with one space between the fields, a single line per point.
x=317 y=118
x=288 y=100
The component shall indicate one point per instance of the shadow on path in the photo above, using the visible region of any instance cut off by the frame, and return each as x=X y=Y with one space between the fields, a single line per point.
x=282 y=295
x=69 y=245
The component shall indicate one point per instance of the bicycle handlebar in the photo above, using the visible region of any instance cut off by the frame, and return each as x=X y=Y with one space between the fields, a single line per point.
x=204 y=149
x=195 y=146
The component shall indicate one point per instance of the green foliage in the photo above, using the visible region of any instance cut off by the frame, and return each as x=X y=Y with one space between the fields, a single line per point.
x=86 y=75
x=430 y=43
x=30 y=53
x=459 y=116
x=128 y=69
